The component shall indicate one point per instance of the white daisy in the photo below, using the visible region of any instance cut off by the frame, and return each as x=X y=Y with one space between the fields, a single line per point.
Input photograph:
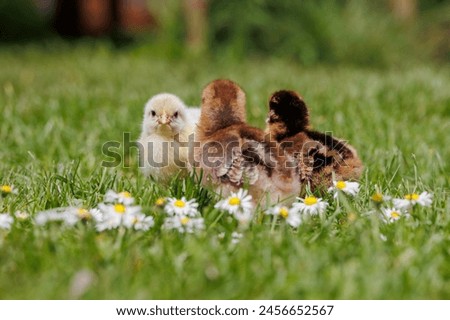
x=278 y=210
x=392 y=214
x=138 y=221
x=291 y=216
x=239 y=204
x=378 y=197
x=236 y=237
x=350 y=188
x=181 y=207
x=123 y=197
x=160 y=202
x=310 y=205
x=7 y=189
x=21 y=215
x=424 y=199
x=108 y=222
x=183 y=224
x=5 y=221
x=68 y=215
x=116 y=215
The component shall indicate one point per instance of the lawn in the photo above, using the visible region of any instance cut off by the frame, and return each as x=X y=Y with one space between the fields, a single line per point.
x=60 y=104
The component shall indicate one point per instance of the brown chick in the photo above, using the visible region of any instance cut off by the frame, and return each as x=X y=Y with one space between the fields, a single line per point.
x=233 y=154
x=318 y=155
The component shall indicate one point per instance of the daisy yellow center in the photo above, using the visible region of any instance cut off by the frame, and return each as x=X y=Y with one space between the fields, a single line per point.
x=413 y=196
x=184 y=221
x=6 y=189
x=351 y=217
x=341 y=185
x=395 y=215
x=284 y=212
x=309 y=201
x=119 y=208
x=83 y=213
x=179 y=204
x=234 y=201
x=125 y=194
x=160 y=202
x=377 y=197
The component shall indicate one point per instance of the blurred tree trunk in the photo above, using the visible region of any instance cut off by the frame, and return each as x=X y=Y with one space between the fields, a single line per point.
x=97 y=16
x=67 y=18
x=195 y=12
x=404 y=10
x=101 y=17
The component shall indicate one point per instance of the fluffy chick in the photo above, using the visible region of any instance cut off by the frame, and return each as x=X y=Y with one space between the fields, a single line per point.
x=319 y=156
x=166 y=141
x=233 y=154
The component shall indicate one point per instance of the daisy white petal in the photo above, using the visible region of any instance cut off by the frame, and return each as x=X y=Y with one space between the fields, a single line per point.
x=278 y=210
x=294 y=219
x=123 y=197
x=310 y=205
x=424 y=199
x=238 y=203
x=291 y=216
x=402 y=204
x=109 y=221
x=5 y=221
x=378 y=197
x=236 y=237
x=21 y=215
x=68 y=215
x=350 y=188
x=243 y=216
x=392 y=214
x=116 y=215
x=137 y=221
x=143 y=222
x=181 y=207
x=183 y=224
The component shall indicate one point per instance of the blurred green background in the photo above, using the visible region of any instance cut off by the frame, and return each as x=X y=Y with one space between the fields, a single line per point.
x=357 y=32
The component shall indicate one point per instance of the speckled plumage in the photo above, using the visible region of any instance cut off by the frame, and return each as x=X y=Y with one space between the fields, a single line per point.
x=233 y=154
x=319 y=156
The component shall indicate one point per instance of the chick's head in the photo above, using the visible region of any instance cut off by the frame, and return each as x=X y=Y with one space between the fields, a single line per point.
x=223 y=105
x=165 y=114
x=288 y=114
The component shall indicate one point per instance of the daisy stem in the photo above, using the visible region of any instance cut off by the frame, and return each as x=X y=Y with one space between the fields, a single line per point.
x=119 y=239
x=274 y=221
x=216 y=220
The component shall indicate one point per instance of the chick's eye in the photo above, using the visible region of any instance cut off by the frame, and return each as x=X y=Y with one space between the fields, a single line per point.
x=175 y=114
x=153 y=113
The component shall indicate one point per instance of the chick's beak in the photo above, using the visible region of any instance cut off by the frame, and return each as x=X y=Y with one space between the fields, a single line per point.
x=164 y=119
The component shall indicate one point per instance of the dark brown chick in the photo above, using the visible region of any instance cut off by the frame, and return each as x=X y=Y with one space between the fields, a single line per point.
x=233 y=154
x=318 y=155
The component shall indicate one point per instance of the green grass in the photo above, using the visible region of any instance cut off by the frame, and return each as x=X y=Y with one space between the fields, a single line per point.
x=58 y=107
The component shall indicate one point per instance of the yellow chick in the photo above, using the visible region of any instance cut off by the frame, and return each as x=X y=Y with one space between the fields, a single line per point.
x=167 y=138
